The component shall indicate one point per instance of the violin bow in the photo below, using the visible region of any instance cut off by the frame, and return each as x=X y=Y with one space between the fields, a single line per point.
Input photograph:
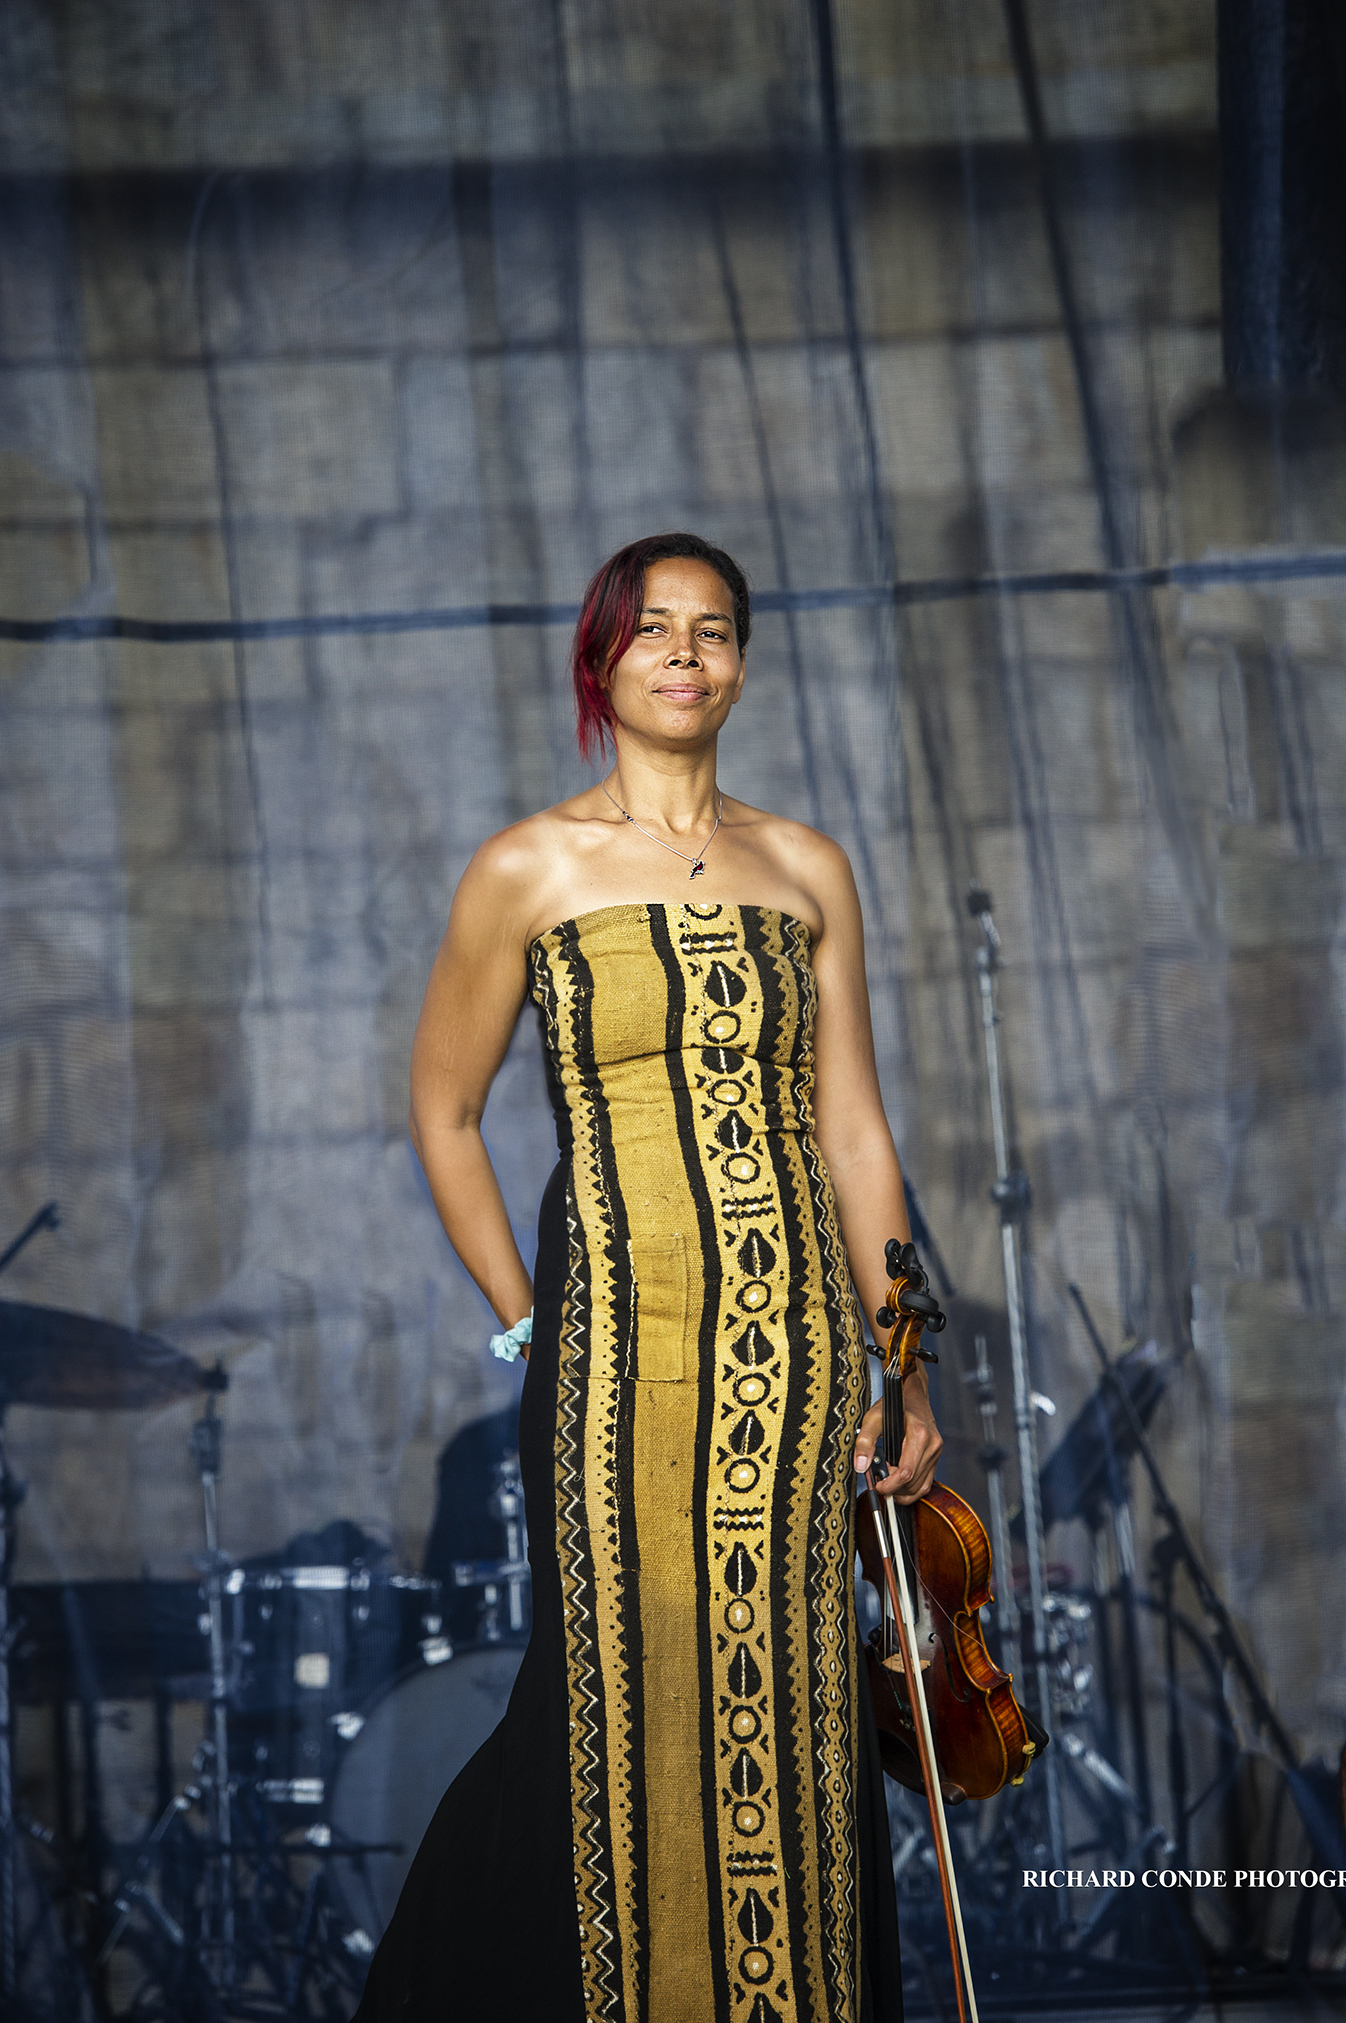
x=911 y=1308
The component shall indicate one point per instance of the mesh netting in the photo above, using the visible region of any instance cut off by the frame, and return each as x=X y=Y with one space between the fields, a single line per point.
x=337 y=350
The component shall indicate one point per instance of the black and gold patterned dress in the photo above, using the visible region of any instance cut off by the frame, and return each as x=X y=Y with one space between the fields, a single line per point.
x=681 y=1818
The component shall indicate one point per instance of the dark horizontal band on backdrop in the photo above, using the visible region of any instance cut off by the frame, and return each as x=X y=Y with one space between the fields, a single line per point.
x=1328 y=562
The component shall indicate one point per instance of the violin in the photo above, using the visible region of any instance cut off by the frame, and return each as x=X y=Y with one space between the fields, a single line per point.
x=961 y=1734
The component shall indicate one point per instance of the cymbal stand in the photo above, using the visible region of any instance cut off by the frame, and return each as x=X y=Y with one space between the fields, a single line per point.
x=11 y=1495
x=214 y=1564
x=1011 y=1196
x=513 y=1571
x=12 y=1823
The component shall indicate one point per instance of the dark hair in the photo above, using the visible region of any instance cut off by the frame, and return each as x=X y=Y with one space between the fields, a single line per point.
x=611 y=611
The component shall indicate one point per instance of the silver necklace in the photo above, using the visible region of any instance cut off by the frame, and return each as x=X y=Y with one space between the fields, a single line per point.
x=698 y=863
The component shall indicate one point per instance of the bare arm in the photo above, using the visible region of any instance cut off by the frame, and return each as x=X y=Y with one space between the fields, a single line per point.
x=855 y=1141
x=471 y=1005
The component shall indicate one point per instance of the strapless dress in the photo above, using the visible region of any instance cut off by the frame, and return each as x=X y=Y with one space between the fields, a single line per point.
x=681 y=1818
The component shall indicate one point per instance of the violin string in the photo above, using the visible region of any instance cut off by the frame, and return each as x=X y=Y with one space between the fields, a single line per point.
x=935 y=1607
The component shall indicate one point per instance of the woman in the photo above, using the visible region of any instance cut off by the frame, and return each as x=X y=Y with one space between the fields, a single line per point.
x=681 y=1817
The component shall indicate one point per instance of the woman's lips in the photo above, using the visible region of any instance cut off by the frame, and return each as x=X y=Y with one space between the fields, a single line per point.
x=686 y=694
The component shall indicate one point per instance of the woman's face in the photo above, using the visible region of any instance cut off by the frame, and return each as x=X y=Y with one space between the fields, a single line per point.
x=682 y=673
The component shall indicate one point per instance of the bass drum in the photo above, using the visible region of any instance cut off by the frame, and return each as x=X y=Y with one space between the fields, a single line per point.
x=413 y=1743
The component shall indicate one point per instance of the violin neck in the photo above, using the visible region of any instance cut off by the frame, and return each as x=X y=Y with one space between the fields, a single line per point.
x=894 y=1416
x=894 y=1430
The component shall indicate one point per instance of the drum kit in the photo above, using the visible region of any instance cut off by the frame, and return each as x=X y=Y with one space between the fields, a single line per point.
x=336 y=1712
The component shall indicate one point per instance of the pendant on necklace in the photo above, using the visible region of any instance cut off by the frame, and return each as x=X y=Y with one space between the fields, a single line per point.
x=696 y=869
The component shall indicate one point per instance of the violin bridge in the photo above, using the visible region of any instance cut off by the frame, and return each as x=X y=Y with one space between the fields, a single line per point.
x=894 y=1663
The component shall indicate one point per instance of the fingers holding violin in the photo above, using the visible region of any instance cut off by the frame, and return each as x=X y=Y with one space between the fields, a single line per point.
x=915 y=1470
x=921 y=1448
x=867 y=1439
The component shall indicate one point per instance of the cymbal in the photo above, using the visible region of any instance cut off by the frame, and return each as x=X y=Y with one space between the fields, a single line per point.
x=78 y=1364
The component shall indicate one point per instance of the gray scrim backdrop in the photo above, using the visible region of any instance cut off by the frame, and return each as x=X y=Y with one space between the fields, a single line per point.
x=419 y=311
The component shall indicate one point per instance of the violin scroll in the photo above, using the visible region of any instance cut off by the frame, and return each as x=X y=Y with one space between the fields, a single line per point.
x=909 y=1309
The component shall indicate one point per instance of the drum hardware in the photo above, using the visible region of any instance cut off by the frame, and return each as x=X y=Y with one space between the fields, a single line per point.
x=506 y=1505
x=413 y=1740
x=1069 y=1620
x=132 y=1890
x=312 y=1646
x=1099 y=1769
x=1175 y=1548
x=295 y=1954
x=214 y=1915
x=206 y=1447
x=219 y=1897
x=54 y=1359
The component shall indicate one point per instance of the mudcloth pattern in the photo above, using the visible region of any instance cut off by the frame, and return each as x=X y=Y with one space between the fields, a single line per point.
x=711 y=1376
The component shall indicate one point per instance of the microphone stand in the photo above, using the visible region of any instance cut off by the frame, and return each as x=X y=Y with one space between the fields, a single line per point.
x=220 y=1907
x=11 y=1495
x=1011 y=1196
x=993 y=1457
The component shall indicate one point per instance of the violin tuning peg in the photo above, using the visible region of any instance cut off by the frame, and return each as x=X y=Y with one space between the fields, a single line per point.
x=937 y=1324
x=909 y=1259
x=885 y=1317
x=892 y=1256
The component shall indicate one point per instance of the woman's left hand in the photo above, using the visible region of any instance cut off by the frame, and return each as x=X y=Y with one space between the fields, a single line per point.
x=915 y=1470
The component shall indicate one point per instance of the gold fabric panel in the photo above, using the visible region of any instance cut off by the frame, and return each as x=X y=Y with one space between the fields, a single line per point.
x=711 y=1379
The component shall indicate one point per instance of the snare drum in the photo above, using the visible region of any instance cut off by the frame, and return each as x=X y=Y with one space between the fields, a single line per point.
x=313 y=1644
x=412 y=1744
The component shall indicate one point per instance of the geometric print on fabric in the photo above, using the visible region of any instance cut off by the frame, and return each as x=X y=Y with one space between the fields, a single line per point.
x=711 y=1378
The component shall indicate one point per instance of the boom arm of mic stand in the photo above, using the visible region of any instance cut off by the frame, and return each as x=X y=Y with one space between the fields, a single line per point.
x=920 y=1230
x=47 y=1217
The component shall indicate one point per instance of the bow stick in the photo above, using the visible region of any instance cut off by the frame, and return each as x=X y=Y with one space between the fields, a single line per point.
x=909 y=1309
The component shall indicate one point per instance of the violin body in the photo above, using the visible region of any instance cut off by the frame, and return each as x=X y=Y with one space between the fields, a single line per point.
x=945 y=1712
x=982 y=1741
x=981 y=1737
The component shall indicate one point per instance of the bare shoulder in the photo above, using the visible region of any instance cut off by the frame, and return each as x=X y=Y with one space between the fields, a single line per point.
x=515 y=870
x=807 y=858
x=503 y=872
